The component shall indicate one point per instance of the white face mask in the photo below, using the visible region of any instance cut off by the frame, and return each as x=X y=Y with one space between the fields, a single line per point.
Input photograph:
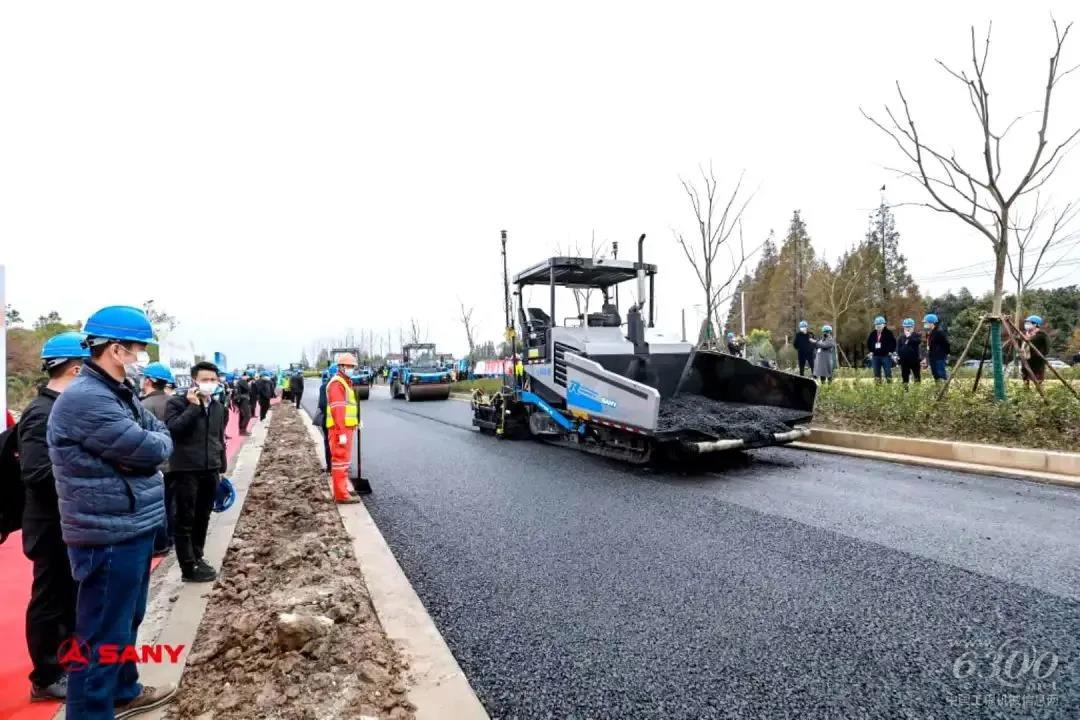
x=142 y=359
x=1028 y=326
x=207 y=388
x=907 y=331
x=879 y=328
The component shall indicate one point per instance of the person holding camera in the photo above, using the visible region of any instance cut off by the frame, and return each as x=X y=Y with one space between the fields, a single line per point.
x=196 y=421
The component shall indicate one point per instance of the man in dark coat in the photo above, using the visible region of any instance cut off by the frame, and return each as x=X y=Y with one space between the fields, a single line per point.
x=266 y=392
x=196 y=421
x=908 y=350
x=296 y=387
x=242 y=399
x=882 y=344
x=50 y=615
x=937 y=347
x=320 y=416
x=804 y=346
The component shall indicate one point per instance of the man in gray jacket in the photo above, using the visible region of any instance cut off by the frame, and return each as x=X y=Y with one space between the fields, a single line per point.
x=156 y=379
x=105 y=449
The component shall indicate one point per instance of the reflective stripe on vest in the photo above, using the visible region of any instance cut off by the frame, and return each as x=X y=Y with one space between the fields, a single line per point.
x=352 y=410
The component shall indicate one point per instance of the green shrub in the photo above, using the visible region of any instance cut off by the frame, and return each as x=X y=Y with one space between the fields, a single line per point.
x=1023 y=420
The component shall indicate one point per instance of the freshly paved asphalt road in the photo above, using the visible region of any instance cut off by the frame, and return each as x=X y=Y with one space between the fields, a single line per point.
x=785 y=584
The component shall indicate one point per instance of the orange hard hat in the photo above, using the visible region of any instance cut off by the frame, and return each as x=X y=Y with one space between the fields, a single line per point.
x=347 y=359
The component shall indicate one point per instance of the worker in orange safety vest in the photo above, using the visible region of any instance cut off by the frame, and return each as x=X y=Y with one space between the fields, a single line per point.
x=342 y=422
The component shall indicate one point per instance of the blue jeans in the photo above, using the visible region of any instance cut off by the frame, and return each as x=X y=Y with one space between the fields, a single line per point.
x=882 y=363
x=937 y=369
x=112 y=585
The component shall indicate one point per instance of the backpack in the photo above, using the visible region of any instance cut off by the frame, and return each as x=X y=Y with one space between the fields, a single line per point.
x=12 y=490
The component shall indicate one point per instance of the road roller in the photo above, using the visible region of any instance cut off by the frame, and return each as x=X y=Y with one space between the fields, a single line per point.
x=421 y=375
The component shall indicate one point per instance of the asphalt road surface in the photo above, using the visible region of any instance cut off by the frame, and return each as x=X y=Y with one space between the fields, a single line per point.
x=775 y=584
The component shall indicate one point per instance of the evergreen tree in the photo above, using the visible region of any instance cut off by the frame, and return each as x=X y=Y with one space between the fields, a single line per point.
x=788 y=283
x=758 y=302
x=892 y=275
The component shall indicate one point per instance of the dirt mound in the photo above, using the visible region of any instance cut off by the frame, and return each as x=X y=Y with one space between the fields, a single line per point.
x=290 y=632
x=752 y=423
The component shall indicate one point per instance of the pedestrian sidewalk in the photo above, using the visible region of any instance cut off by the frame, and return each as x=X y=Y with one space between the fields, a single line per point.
x=17 y=573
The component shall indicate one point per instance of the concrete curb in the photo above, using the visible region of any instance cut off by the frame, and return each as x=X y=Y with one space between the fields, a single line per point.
x=437 y=686
x=1051 y=478
x=1031 y=460
x=177 y=622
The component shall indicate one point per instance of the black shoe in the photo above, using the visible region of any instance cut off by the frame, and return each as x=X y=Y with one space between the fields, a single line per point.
x=56 y=691
x=198 y=571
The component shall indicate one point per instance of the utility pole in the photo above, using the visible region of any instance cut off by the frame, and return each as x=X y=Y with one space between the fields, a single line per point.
x=742 y=308
x=684 y=324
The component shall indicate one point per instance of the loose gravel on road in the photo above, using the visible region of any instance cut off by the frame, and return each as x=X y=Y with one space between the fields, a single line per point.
x=290 y=632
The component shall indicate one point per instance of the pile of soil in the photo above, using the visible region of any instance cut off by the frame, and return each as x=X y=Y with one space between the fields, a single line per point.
x=752 y=423
x=290 y=632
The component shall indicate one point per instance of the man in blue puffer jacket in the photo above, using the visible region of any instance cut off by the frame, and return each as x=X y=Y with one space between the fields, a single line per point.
x=105 y=449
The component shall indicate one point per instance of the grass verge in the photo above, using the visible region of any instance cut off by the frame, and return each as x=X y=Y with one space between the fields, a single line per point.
x=1023 y=420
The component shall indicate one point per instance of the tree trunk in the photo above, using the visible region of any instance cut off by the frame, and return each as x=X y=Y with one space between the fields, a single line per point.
x=1001 y=252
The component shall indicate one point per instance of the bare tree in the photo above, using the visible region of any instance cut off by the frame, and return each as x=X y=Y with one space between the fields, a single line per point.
x=583 y=296
x=717 y=223
x=979 y=197
x=1037 y=246
x=416 y=335
x=843 y=288
x=466 y=320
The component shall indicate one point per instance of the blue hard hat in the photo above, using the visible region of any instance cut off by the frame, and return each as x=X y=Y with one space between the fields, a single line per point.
x=66 y=345
x=333 y=369
x=159 y=371
x=879 y=320
x=730 y=335
x=226 y=495
x=826 y=328
x=803 y=323
x=909 y=322
x=930 y=318
x=120 y=322
x=1034 y=320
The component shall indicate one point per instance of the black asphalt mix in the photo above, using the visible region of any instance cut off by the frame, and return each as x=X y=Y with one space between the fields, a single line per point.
x=568 y=586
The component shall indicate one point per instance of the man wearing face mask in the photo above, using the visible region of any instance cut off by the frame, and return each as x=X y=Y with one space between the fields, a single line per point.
x=197 y=422
x=908 y=351
x=105 y=449
x=50 y=615
x=342 y=422
x=882 y=344
x=156 y=379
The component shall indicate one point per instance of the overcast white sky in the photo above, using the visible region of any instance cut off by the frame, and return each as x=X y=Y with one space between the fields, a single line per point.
x=274 y=172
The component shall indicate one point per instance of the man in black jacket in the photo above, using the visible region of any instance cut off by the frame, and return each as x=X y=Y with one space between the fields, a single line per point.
x=882 y=344
x=196 y=422
x=907 y=350
x=804 y=346
x=50 y=615
x=242 y=399
x=937 y=347
x=296 y=387
x=265 y=392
